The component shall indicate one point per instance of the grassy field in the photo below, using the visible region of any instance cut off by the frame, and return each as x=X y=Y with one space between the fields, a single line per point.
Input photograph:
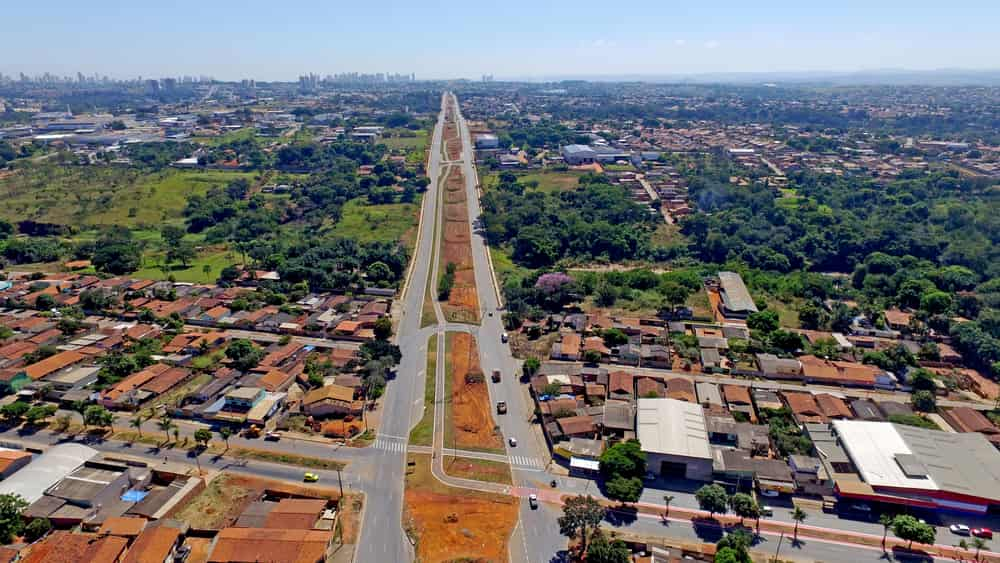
x=666 y=234
x=423 y=433
x=215 y=257
x=504 y=266
x=545 y=181
x=390 y=222
x=395 y=142
x=97 y=196
x=230 y=137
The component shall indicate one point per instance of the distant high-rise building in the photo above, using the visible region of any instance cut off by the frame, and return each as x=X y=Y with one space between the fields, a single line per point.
x=169 y=84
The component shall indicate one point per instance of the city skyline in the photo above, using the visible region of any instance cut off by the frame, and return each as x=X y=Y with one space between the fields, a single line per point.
x=278 y=43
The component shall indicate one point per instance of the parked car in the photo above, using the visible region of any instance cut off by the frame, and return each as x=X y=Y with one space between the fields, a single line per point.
x=272 y=436
x=985 y=533
x=960 y=529
x=770 y=494
x=766 y=511
x=504 y=338
x=533 y=501
x=310 y=477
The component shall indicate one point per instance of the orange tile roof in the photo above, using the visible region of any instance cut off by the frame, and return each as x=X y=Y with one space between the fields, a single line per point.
x=134 y=381
x=166 y=380
x=15 y=350
x=295 y=514
x=125 y=526
x=571 y=344
x=332 y=392
x=274 y=379
x=153 y=545
x=64 y=547
x=829 y=371
x=245 y=545
x=833 y=407
x=736 y=394
x=53 y=364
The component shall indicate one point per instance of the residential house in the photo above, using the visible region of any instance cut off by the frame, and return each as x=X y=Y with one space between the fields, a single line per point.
x=331 y=400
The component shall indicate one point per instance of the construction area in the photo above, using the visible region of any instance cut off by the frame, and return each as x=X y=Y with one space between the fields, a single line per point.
x=449 y=524
x=469 y=424
x=456 y=248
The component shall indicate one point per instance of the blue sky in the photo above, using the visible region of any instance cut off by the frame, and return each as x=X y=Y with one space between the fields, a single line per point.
x=514 y=38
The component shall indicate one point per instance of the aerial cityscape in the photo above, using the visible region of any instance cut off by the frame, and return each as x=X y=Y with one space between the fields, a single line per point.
x=438 y=295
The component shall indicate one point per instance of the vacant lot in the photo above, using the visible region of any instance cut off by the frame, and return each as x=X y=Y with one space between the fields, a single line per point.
x=455 y=524
x=470 y=419
x=91 y=195
x=384 y=223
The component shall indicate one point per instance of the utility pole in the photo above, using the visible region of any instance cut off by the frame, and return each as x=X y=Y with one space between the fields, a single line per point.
x=341 y=482
x=777 y=549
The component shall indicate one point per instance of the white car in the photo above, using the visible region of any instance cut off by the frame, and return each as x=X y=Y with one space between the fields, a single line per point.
x=512 y=441
x=533 y=501
x=960 y=529
x=766 y=511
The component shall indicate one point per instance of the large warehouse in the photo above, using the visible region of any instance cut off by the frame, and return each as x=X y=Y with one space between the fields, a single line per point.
x=918 y=467
x=675 y=439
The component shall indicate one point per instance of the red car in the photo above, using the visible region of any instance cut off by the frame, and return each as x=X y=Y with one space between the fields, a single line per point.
x=984 y=533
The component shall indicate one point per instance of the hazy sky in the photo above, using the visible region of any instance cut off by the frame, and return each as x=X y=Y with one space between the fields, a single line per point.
x=280 y=39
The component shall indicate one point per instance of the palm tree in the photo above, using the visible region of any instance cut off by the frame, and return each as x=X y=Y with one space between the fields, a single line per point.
x=979 y=544
x=964 y=546
x=166 y=424
x=886 y=521
x=798 y=515
x=137 y=421
x=225 y=432
x=667 y=499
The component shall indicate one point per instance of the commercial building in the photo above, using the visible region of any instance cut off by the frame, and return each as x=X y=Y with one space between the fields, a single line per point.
x=736 y=299
x=920 y=468
x=487 y=141
x=674 y=437
x=47 y=470
x=576 y=155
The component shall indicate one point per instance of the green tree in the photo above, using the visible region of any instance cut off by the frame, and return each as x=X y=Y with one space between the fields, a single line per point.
x=667 y=499
x=765 y=321
x=137 y=420
x=581 y=514
x=735 y=545
x=531 y=366
x=383 y=328
x=39 y=413
x=726 y=555
x=604 y=551
x=11 y=522
x=13 y=412
x=712 y=498
x=886 y=521
x=97 y=415
x=624 y=489
x=623 y=459
x=36 y=529
x=924 y=401
x=203 y=436
x=744 y=506
x=979 y=544
x=799 y=516
x=910 y=529
x=225 y=433
x=244 y=354
x=614 y=337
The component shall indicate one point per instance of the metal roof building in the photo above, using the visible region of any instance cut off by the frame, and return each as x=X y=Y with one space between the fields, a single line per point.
x=46 y=470
x=919 y=467
x=673 y=434
x=736 y=299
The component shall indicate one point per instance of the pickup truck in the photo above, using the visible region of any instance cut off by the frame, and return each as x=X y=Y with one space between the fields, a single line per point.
x=496 y=376
x=501 y=407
